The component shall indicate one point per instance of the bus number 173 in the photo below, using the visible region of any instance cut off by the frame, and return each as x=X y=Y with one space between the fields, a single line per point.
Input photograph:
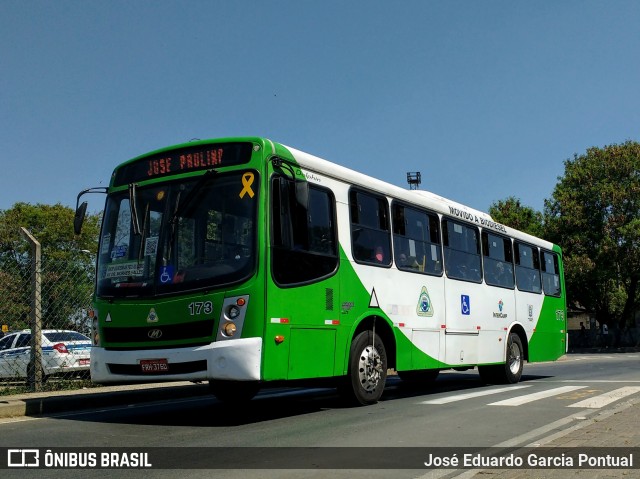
x=200 y=307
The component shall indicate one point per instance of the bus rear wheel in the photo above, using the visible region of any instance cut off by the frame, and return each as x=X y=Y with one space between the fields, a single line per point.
x=367 y=374
x=234 y=391
x=515 y=359
x=511 y=371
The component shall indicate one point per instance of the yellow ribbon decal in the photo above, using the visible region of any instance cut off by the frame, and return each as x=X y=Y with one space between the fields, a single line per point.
x=247 y=181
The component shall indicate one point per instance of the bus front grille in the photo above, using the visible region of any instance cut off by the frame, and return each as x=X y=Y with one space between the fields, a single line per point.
x=160 y=334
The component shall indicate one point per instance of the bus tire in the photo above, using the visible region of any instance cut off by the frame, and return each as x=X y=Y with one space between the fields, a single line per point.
x=511 y=371
x=234 y=391
x=514 y=360
x=367 y=373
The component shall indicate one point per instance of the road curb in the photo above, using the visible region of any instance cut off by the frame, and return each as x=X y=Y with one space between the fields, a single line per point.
x=56 y=403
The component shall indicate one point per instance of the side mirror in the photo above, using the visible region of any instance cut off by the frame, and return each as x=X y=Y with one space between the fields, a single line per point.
x=81 y=212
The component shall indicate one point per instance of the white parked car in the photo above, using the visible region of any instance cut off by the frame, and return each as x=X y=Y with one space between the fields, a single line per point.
x=62 y=351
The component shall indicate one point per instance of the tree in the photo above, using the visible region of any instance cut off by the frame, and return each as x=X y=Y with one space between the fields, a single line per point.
x=67 y=263
x=511 y=213
x=594 y=214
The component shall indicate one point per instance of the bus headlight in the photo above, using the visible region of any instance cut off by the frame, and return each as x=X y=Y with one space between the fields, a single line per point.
x=233 y=312
x=229 y=329
x=95 y=332
x=232 y=317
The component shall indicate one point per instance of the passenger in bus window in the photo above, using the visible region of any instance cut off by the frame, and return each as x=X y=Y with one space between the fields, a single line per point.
x=501 y=278
x=535 y=283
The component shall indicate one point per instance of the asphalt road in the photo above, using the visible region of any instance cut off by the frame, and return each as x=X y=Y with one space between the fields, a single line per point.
x=456 y=411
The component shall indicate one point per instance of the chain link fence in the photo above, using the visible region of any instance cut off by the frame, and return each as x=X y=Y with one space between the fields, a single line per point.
x=44 y=303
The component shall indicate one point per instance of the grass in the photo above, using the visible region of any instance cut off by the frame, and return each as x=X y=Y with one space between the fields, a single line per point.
x=60 y=383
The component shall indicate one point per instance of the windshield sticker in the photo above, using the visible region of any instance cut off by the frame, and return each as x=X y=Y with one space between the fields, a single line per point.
x=166 y=274
x=119 y=251
x=151 y=246
x=247 y=181
x=104 y=245
x=119 y=270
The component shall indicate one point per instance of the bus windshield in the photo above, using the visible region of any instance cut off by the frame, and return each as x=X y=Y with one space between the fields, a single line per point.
x=193 y=234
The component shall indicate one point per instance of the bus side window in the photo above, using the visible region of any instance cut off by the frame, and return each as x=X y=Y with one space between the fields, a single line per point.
x=370 y=232
x=416 y=240
x=303 y=237
x=527 y=268
x=461 y=251
x=550 y=273
x=498 y=260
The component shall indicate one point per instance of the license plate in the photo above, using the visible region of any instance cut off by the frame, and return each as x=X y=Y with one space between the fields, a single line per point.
x=84 y=362
x=154 y=365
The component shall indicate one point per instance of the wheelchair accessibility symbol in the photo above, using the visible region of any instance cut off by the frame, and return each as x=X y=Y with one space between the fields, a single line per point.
x=465 y=305
x=166 y=274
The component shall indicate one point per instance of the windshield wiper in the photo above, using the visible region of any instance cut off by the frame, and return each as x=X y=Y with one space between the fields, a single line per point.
x=143 y=234
x=135 y=222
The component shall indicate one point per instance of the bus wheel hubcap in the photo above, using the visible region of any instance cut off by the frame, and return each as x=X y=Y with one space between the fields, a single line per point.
x=369 y=368
x=514 y=358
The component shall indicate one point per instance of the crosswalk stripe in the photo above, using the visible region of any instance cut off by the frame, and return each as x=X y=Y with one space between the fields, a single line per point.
x=606 y=398
x=520 y=400
x=461 y=397
x=597 y=381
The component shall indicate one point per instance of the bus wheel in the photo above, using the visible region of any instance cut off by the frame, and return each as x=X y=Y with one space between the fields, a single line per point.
x=515 y=359
x=367 y=370
x=234 y=391
x=511 y=371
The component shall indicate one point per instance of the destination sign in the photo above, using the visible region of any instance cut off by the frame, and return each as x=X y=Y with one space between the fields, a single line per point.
x=184 y=160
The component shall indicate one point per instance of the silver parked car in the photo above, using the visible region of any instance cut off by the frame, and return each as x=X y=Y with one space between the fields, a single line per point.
x=62 y=351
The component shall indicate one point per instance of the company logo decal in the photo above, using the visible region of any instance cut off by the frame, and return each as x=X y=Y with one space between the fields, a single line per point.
x=500 y=314
x=155 y=334
x=153 y=317
x=424 y=308
x=346 y=307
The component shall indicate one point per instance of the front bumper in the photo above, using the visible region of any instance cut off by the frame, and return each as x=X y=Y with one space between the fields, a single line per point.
x=238 y=359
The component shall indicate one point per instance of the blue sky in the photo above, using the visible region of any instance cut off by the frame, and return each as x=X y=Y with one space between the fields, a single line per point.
x=485 y=98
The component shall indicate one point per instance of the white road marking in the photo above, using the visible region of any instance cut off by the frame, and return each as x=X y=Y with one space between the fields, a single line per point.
x=461 y=397
x=520 y=400
x=606 y=398
x=596 y=381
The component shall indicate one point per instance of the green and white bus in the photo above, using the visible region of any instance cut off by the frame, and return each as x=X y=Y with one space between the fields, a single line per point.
x=247 y=263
